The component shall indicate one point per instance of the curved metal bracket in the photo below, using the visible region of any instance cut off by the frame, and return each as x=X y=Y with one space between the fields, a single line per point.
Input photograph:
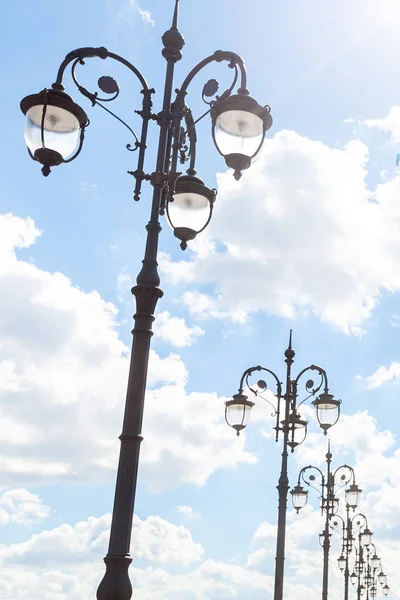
x=109 y=86
x=310 y=386
x=310 y=479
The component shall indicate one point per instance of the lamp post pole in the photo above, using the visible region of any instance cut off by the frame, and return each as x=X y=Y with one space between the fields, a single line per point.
x=283 y=482
x=349 y=547
x=55 y=131
x=327 y=538
x=292 y=427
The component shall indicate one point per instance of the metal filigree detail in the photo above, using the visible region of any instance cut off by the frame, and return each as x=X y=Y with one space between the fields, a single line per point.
x=209 y=89
x=108 y=85
x=259 y=389
x=311 y=387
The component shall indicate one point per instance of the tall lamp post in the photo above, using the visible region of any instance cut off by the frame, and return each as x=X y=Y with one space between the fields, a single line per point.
x=54 y=133
x=328 y=485
x=289 y=423
x=367 y=571
x=349 y=526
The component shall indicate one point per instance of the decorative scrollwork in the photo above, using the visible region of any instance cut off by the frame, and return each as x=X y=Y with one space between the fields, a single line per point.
x=310 y=386
x=209 y=90
x=259 y=389
x=338 y=527
x=307 y=475
x=109 y=86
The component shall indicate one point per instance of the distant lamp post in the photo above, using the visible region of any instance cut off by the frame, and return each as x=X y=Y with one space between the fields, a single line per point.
x=367 y=570
x=290 y=424
x=54 y=133
x=327 y=483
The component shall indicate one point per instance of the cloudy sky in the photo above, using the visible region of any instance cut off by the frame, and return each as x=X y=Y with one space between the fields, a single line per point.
x=309 y=239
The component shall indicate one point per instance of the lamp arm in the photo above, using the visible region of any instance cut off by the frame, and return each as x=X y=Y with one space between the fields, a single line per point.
x=347 y=476
x=81 y=53
x=365 y=520
x=251 y=370
x=343 y=532
x=234 y=62
x=310 y=383
x=110 y=87
x=308 y=480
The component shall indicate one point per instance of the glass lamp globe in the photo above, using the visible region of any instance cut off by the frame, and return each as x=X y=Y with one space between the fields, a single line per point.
x=353 y=495
x=327 y=410
x=341 y=562
x=375 y=561
x=237 y=412
x=239 y=126
x=385 y=589
x=54 y=127
x=299 y=497
x=366 y=537
x=382 y=577
x=191 y=209
x=297 y=430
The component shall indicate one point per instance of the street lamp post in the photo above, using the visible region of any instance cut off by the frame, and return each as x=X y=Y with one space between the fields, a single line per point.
x=54 y=133
x=293 y=428
x=343 y=475
x=367 y=571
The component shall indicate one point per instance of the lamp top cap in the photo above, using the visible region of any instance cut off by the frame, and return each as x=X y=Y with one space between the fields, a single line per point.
x=56 y=98
x=289 y=352
x=299 y=490
x=172 y=39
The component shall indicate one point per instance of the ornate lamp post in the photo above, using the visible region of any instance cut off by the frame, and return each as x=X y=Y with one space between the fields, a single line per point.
x=347 y=533
x=54 y=132
x=367 y=570
x=328 y=482
x=371 y=575
x=290 y=424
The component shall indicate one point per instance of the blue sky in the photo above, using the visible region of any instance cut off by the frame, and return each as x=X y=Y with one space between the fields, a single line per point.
x=307 y=240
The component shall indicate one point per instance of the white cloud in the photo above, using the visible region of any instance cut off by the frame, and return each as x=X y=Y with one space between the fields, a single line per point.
x=204 y=306
x=124 y=282
x=66 y=561
x=174 y=330
x=64 y=370
x=389 y=124
x=382 y=375
x=154 y=540
x=145 y=14
x=298 y=234
x=22 y=507
x=188 y=513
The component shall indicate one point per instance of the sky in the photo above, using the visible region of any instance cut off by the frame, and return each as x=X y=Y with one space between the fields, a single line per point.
x=308 y=240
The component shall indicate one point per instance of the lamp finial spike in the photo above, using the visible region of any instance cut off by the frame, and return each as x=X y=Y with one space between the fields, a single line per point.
x=289 y=352
x=175 y=18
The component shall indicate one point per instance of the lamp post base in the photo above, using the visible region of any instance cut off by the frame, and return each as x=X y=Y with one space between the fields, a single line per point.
x=115 y=584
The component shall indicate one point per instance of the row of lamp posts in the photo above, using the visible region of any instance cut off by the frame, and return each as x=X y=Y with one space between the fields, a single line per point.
x=54 y=133
x=353 y=529
x=289 y=423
